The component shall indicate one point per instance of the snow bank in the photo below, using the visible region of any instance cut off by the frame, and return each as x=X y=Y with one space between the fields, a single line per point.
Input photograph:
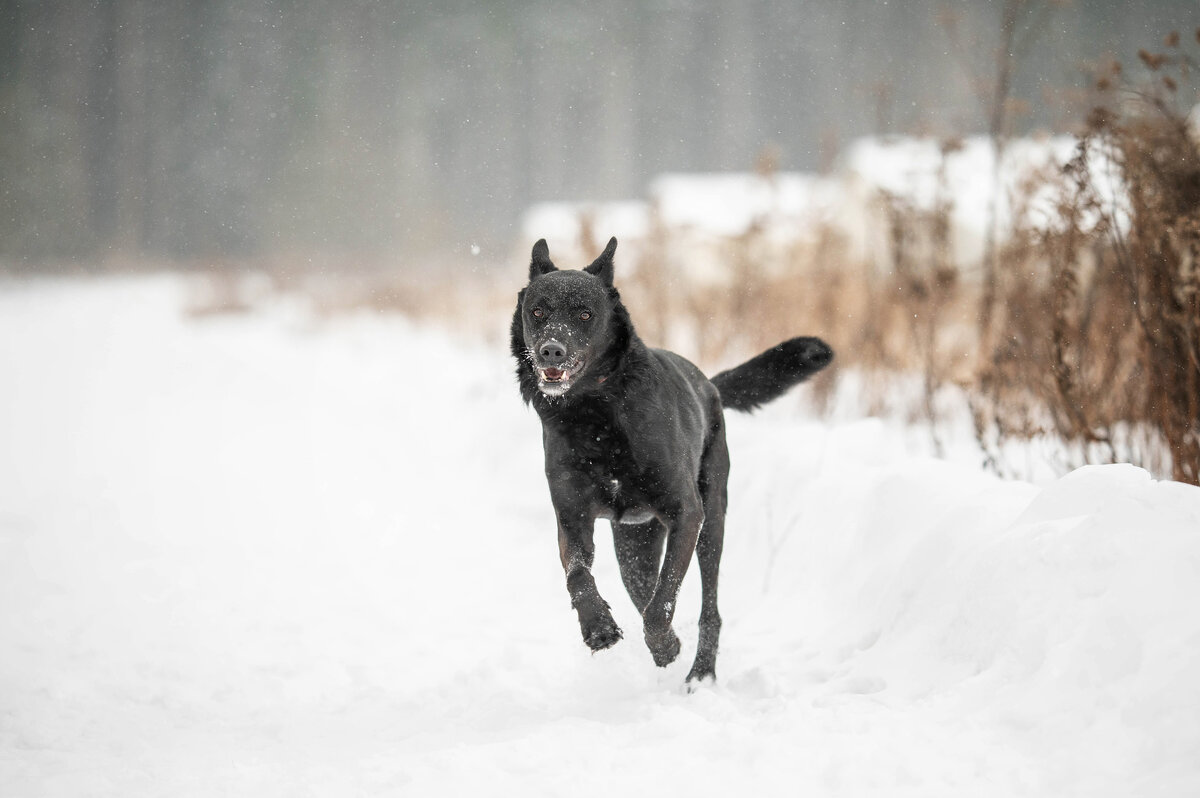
x=562 y=225
x=700 y=213
x=1059 y=621
x=260 y=555
x=909 y=168
x=732 y=203
x=920 y=173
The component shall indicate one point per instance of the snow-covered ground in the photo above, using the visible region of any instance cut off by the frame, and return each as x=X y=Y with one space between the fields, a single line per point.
x=262 y=555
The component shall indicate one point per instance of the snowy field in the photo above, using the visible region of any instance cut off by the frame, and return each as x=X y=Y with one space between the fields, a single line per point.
x=265 y=555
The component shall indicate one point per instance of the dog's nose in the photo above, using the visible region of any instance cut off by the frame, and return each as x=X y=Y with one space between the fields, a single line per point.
x=552 y=353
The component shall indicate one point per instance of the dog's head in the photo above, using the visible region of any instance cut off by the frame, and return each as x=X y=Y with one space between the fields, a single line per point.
x=568 y=326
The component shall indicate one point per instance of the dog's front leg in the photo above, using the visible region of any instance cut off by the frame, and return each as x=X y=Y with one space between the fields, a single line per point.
x=682 y=533
x=577 y=550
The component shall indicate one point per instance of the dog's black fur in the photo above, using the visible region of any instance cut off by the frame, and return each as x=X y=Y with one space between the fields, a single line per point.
x=637 y=436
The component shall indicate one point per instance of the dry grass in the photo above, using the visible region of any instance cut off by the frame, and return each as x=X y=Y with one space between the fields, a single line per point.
x=1101 y=315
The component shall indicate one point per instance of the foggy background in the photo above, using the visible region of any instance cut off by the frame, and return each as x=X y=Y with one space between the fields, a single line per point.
x=166 y=129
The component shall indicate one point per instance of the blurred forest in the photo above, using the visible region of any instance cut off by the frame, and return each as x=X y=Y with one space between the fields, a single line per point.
x=171 y=129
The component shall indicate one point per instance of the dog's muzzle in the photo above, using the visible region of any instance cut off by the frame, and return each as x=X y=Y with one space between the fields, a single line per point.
x=554 y=370
x=555 y=381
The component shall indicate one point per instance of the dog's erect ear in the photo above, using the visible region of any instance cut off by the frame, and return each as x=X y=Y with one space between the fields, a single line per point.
x=541 y=264
x=602 y=266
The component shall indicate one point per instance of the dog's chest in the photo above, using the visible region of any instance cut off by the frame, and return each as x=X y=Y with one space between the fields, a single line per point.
x=601 y=453
x=628 y=507
x=609 y=459
x=611 y=466
x=624 y=489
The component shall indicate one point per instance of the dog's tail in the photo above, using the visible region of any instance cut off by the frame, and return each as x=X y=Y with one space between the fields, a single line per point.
x=767 y=376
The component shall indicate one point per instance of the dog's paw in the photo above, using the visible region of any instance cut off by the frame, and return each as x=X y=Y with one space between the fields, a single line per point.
x=602 y=634
x=664 y=646
x=700 y=677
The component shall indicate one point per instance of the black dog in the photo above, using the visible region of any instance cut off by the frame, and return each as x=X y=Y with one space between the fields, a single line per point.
x=637 y=436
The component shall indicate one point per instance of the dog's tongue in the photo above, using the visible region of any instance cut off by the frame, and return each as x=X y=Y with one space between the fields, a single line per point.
x=553 y=374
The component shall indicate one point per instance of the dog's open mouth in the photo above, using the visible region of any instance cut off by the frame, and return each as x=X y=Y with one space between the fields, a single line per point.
x=554 y=381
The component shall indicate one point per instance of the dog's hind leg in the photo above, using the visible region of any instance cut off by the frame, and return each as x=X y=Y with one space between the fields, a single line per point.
x=714 y=476
x=639 y=552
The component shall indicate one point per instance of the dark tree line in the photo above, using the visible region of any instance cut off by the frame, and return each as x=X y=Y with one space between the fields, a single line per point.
x=171 y=128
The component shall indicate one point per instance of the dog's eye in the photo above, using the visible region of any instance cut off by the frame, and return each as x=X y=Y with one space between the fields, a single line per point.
x=585 y=315
x=538 y=313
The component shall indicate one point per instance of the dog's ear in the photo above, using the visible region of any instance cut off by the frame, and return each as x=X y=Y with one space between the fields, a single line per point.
x=602 y=266
x=540 y=263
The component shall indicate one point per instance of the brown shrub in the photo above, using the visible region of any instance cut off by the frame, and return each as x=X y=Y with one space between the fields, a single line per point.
x=1101 y=312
